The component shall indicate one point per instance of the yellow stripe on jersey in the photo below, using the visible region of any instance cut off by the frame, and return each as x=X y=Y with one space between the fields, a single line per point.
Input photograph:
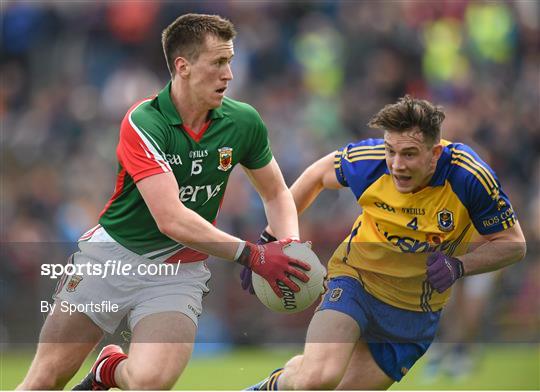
x=469 y=158
x=374 y=157
x=363 y=153
x=473 y=172
x=427 y=291
x=273 y=379
x=508 y=223
x=458 y=241
x=339 y=154
x=337 y=159
x=483 y=168
x=367 y=148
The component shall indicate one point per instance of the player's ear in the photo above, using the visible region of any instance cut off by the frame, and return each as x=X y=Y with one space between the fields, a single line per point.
x=437 y=150
x=182 y=67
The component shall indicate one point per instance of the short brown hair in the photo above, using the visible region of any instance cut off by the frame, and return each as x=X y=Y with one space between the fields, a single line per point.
x=409 y=113
x=186 y=35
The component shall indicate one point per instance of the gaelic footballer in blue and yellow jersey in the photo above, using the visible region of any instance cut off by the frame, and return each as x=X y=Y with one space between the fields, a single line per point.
x=390 y=241
x=422 y=200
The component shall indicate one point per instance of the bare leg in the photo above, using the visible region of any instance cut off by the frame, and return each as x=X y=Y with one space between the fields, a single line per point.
x=330 y=342
x=363 y=372
x=64 y=343
x=160 y=350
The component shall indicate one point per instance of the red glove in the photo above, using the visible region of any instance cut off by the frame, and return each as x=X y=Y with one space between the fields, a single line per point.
x=245 y=275
x=269 y=261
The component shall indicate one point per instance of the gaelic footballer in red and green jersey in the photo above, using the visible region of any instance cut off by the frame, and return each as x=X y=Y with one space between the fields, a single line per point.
x=154 y=140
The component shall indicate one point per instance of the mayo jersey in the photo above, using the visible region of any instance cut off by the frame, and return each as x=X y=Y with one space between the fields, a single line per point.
x=154 y=140
x=390 y=241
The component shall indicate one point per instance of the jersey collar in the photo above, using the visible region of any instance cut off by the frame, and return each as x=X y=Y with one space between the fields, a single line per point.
x=439 y=177
x=169 y=110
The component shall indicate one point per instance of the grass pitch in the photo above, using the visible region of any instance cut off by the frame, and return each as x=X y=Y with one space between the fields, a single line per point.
x=503 y=366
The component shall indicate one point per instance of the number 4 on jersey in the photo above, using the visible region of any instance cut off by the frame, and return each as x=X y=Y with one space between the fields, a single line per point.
x=413 y=224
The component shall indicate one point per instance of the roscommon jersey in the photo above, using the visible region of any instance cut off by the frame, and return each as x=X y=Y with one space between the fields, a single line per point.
x=154 y=140
x=391 y=239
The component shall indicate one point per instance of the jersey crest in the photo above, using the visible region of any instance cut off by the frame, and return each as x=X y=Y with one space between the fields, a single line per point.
x=225 y=158
x=445 y=220
x=73 y=283
x=335 y=295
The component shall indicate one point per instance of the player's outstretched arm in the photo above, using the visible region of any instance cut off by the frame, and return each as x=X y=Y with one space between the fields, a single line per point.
x=277 y=199
x=320 y=175
x=160 y=192
x=176 y=221
x=499 y=250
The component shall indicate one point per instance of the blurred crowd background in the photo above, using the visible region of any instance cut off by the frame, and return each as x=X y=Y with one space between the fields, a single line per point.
x=316 y=71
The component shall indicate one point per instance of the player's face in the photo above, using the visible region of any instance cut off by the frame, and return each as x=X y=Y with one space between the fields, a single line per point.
x=211 y=72
x=410 y=160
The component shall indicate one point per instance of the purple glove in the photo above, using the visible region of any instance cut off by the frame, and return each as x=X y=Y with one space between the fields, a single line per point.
x=245 y=275
x=443 y=271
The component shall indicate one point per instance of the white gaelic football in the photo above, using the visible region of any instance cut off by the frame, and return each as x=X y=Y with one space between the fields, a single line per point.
x=309 y=292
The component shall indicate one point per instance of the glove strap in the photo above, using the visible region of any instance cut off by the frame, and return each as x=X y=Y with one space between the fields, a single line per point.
x=266 y=237
x=460 y=270
x=239 y=250
x=243 y=258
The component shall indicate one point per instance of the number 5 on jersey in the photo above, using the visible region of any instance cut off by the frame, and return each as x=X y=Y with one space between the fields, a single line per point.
x=196 y=167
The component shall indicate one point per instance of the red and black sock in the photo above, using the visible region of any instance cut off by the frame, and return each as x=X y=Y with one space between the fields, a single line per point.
x=105 y=370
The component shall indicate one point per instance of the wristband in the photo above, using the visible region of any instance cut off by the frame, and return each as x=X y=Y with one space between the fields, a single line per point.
x=267 y=237
x=239 y=250
x=461 y=270
x=244 y=258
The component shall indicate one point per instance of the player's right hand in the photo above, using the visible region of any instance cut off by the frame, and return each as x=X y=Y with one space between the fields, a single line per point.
x=269 y=261
x=443 y=271
x=245 y=275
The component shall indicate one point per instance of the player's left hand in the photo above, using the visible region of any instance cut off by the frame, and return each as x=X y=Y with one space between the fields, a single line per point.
x=245 y=275
x=443 y=271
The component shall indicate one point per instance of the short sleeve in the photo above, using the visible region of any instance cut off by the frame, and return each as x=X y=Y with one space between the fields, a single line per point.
x=358 y=165
x=479 y=189
x=140 y=148
x=260 y=153
x=337 y=166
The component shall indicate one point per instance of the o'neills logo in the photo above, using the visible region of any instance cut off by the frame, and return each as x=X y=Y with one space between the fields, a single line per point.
x=289 y=299
x=261 y=250
x=225 y=158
